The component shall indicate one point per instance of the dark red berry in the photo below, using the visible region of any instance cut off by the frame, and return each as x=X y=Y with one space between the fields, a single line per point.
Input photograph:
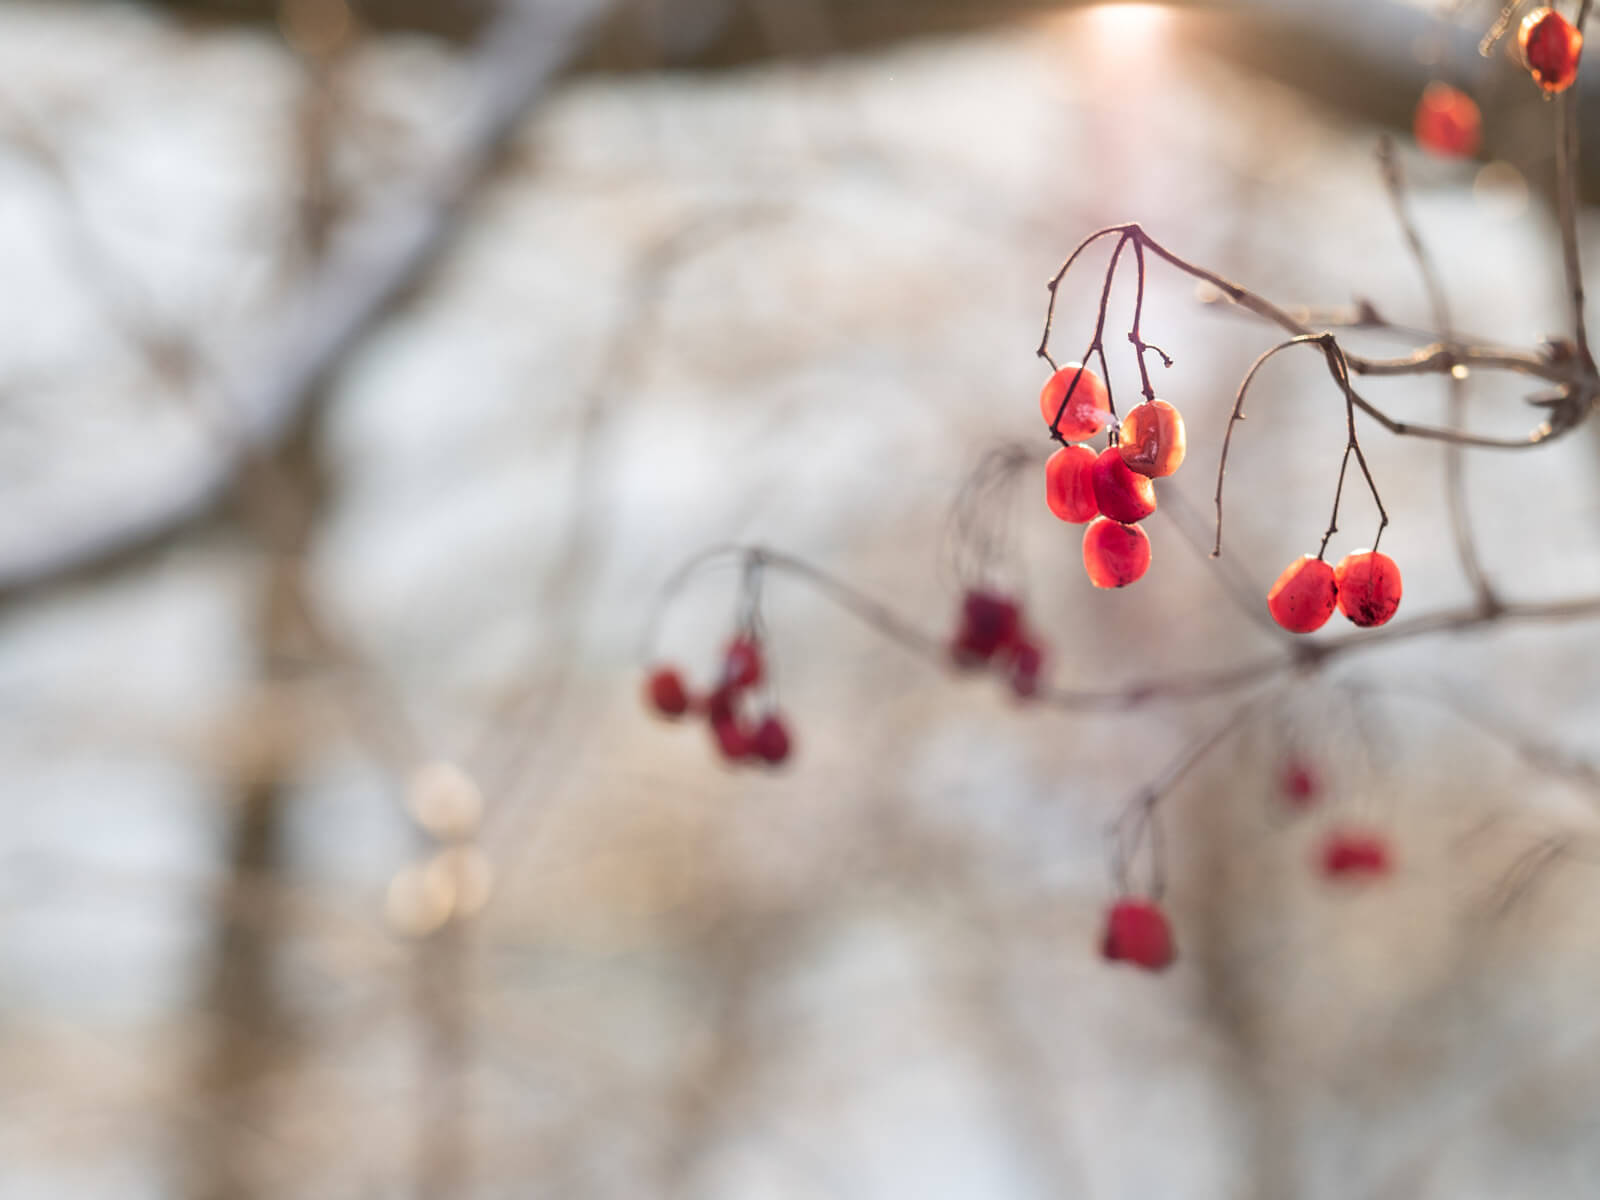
x=771 y=740
x=1137 y=931
x=989 y=623
x=731 y=738
x=665 y=692
x=1551 y=47
x=1354 y=854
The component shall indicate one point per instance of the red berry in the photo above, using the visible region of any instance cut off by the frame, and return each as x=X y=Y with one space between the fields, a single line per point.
x=1551 y=48
x=1115 y=555
x=741 y=664
x=730 y=735
x=1153 y=440
x=1348 y=854
x=1088 y=409
x=1299 y=784
x=1369 y=587
x=989 y=624
x=1447 y=122
x=1137 y=932
x=770 y=741
x=666 y=693
x=1068 y=486
x=1121 y=493
x=1304 y=597
x=1027 y=665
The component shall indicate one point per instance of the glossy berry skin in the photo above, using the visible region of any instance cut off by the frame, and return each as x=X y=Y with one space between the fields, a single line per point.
x=1551 y=48
x=1153 y=441
x=665 y=692
x=1069 y=485
x=1088 y=410
x=770 y=742
x=989 y=624
x=741 y=664
x=1027 y=665
x=1121 y=494
x=1137 y=932
x=1447 y=122
x=1369 y=587
x=1352 y=855
x=1304 y=596
x=1114 y=554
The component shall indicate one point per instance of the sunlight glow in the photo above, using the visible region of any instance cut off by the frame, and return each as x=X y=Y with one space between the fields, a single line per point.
x=1121 y=33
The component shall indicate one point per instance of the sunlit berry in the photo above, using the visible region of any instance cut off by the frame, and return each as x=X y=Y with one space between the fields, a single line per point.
x=1304 y=596
x=770 y=742
x=1551 y=48
x=1114 y=554
x=741 y=663
x=665 y=692
x=1137 y=931
x=989 y=623
x=1447 y=122
x=1088 y=409
x=1121 y=494
x=1369 y=587
x=1355 y=854
x=1153 y=441
x=1068 y=485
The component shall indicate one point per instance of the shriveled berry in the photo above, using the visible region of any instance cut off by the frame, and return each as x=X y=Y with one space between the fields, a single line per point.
x=770 y=742
x=1369 y=587
x=1304 y=596
x=1447 y=122
x=1068 y=485
x=1027 y=665
x=1153 y=440
x=1355 y=854
x=1121 y=493
x=1551 y=48
x=989 y=623
x=1137 y=931
x=741 y=663
x=1088 y=408
x=666 y=693
x=1114 y=554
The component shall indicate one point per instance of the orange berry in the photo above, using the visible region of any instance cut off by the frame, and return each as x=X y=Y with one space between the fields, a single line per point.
x=1114 y=554
x=1068 y=488
x=1088 y=409
x=1369 y=587
x=1551 y=48
x=1153 y=439
x=1303 y=598
x=1121 y=494
x=1447 y=122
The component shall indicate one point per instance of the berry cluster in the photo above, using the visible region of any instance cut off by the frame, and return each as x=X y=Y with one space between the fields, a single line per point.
x=741 y=733
x=990 y=632
x=1365 y=587
x=1111 y=491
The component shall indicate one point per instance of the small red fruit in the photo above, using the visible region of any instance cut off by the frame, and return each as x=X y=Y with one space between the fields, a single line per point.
x=1088 y=409
x=666 y=693
x=741 y=664
x=1299 y=784
x=1304 y=597
x=1551 y=48
x=989 y=623
x=731 y=738
x=1153 y=440
x=1069 y=486
x=1348 y=854
x=1369 y=587
x=1027 y=665
x=1114 y=554
x=1447 y=122
x=770 y=741
x=1137 y=931
x=1122 y=494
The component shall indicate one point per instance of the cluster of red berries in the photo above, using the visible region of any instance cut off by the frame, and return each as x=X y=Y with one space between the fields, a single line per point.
x=1111 y=491
x=1550 y=49
x=1345 y=855
x=1365 y=587
x=990 y=631
x=1448 y=122
x=740 y=735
